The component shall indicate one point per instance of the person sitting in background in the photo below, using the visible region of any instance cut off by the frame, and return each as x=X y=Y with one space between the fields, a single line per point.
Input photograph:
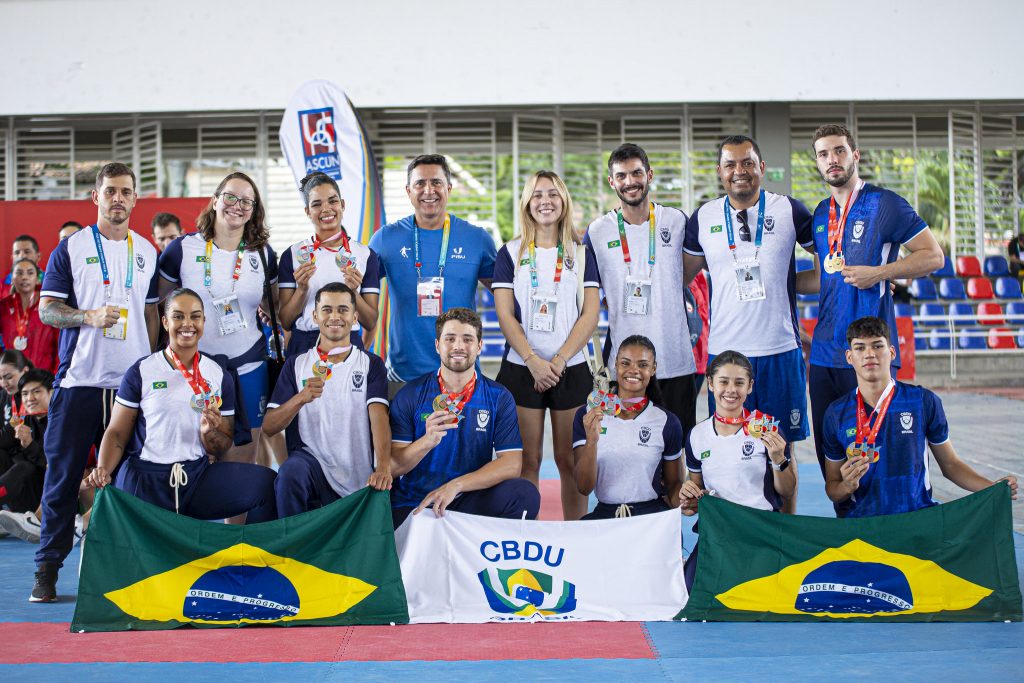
x=879 y=464
x=24 y=247
x=68 y=229
x=1013 y=250
x=20 y=326
x=166 y=229
x=22 y=462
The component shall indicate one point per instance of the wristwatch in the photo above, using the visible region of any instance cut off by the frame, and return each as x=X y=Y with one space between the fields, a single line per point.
x=782 y=467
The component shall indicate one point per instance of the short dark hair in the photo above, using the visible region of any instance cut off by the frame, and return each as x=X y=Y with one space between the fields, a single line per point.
x=653 y=392
x=15 y=358
x=625 y=152
x=316 y=179
x=730 y=358
x=44 y=377
x=163 y=219
x=71 y=224
x=867 y=327
x=114 y=169
x=334 y=288
x=177 y=294
x=463 y=315
x=26 y=238
x=429 y=160
x=831 y=129
x=737 y=140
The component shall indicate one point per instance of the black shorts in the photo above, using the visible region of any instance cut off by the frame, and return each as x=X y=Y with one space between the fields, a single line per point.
x=570 y=392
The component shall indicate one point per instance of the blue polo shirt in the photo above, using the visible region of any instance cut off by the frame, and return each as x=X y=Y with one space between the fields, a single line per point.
x=471 y=254
x=880 y=221
x=489 y=426
x=899 y=481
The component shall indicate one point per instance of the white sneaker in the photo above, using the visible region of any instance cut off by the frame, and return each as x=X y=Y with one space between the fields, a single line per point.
x=24 y=525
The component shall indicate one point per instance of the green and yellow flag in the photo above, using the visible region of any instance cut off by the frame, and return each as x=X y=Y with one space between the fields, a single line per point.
x=146 y=568
x=952 y=562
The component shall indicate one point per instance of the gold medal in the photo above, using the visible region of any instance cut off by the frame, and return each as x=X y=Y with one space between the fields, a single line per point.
x=755 y=429
x=17 y=421
x=853 y=451
x=838 y=262
x=441 y=403
x=827 y=264
x=214 y=401
x=322 y=370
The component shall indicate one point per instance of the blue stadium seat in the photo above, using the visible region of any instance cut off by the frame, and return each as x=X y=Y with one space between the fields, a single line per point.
x=996 y=266
x=946 y=270
x=963 y=314
x=1015 y=313
x=931 y=311
x=923 y=289
x=489 y=315
x=807 y=298
x=803 y=264
x=1020 y=338
x=920 y=342
x=972 y=339
x=1008 y=288
x=938 y=340
x=904 y=310
x=952 y=289
x=810 y=312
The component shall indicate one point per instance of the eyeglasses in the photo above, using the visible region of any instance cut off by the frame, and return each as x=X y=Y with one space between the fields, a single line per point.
x=247 y=204
x=744 y=227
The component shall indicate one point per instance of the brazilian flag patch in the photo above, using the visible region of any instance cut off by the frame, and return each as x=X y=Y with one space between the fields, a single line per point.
x=159 y=385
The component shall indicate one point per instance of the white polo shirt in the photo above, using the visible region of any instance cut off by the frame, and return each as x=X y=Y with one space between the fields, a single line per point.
x=737 y=467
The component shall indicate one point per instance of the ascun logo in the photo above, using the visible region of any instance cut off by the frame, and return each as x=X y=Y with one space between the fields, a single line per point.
x=320 y=141
x=525 y=594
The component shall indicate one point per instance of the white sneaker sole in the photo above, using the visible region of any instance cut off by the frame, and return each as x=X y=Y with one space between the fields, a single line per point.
x=11 y=525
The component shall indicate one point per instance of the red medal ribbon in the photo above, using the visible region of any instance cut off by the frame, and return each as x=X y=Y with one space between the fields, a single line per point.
x=462 y=397
x=837 y=227
x=743 y=420
x=22 y=314
x=195 y=380
x=867 y=431
x=15 y=410
x=318 y=243
x=633 y=405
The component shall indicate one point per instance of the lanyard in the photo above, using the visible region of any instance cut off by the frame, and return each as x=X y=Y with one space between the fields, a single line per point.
x=461 y=396
x=208 y=266
x=633 y=405
x=837 y=228
x=17 y=414
x=324 y=363
x=533 y=266
x=194 y=379
x=760 y=226
x=864 y=434
x=22 y=313
x=625 y=242
x=444 y=246
x=734 y=420
x=319 y=243
x=129 y=278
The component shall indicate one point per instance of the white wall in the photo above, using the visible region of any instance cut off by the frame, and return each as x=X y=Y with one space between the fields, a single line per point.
x=112 y=56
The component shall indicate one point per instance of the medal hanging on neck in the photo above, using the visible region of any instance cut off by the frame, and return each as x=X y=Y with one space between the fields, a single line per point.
x=836 y=261
x=323 y=367
x=760 y=424
x=868 y=426
x=742 y=420
x=202 y=396
x=17 y=414
x=21 y=322
x=343 y=258
x=632 y=406
x=453 y=402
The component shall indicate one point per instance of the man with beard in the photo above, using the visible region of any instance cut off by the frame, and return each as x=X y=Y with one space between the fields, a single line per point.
x=447 y=425
x=858 y=232
x=746 y=239
x=101 y=290
x=639 y=253
x=333 y=400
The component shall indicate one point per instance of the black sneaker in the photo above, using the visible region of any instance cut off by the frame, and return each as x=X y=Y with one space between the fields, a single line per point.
x=45 y=589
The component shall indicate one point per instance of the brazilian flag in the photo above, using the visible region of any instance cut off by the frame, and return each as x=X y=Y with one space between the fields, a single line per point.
x=951 y=562
x=147 y=569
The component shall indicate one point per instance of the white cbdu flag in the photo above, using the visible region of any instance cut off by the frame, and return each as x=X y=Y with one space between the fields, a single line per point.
x=321 y=131
x=471 y=569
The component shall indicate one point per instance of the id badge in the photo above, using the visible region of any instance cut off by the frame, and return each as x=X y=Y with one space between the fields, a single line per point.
x=428 y=296
x=638 y=296
x=542 y=312
x=118 y=330
x=749 y=285
x=229 y=315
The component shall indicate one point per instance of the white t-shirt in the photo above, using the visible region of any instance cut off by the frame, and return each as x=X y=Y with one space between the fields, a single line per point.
x=167 y=427
x=737 y=467
x=629 y=452
x=73 y=274
x=760 y=327
x=183 y=262
x=665 y=322
x=508 y=276
x=335 y=428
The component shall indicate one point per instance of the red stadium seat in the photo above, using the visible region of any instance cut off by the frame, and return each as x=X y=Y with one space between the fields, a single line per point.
x=980 y=288
x=990 y=314
x=968 y=266
x=1001 y=338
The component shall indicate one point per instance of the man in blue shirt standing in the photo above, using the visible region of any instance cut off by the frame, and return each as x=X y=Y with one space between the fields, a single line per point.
x=432 y=261
x=858 y=232
x=446 y=427
x=877 y=436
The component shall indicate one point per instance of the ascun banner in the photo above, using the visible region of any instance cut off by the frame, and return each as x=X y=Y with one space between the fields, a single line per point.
x=469 y=569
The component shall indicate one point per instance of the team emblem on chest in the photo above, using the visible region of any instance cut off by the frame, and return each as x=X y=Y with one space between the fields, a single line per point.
x=140 y=261
x=858 y=230
x=482 y=418
x=666 y=234
x=357 y=379
x=769 y=223
x=645 y=434
x=748 y=449
x=907 y=422
x=254 y=262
